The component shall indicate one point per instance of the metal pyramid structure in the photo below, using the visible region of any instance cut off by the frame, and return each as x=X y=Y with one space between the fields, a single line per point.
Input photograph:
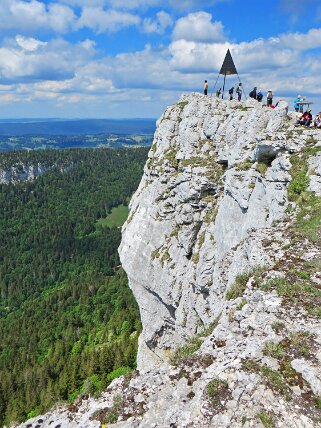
x=228 y=66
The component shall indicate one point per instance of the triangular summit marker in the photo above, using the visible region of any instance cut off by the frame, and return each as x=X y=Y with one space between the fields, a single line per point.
x=228 y=66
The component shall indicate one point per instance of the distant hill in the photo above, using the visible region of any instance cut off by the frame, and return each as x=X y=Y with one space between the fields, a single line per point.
x=78 y=127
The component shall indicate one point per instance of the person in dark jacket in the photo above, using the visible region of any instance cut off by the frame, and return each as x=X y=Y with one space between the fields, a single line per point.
x=239 y=90
x=252 y=94
x=259 y=96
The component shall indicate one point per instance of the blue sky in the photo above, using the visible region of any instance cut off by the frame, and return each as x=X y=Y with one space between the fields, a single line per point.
x=132 y=58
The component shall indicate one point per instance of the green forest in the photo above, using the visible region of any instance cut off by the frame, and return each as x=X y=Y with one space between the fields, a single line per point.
x=69 y=323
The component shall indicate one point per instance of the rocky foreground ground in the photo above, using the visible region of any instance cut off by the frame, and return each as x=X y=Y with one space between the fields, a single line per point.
x=223 y=252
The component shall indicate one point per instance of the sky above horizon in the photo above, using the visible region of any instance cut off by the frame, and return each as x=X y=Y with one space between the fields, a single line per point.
x=132 y=58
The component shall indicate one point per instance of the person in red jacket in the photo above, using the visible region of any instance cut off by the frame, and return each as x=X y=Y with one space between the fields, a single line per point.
x=305 y=119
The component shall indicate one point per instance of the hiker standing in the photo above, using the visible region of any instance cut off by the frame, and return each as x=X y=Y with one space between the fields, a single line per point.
x=239 y=90
x=230 y=91
x=205 y=87
x=218 y=93
x=269 y=98
x=252 y=94
x=259 y=96
x=299 y=99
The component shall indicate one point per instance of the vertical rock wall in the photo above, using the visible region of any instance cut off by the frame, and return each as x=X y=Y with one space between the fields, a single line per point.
x=216 y=177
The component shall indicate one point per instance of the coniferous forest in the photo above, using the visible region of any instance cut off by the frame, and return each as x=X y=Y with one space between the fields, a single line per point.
x=68 y=322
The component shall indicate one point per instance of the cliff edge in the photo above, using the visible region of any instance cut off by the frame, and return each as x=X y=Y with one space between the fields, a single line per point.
x=222 y=248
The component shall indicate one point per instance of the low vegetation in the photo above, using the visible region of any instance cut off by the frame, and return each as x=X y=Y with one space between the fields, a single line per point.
x=218 y=392
x=297 y=291
x=244 y=166
x=184 y=352
x=267 y=419
x=237 y=290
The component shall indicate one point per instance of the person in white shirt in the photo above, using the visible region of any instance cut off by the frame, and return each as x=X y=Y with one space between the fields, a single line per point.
x=269 y=98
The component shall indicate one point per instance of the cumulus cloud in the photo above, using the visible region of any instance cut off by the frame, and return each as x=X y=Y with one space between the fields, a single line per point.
x=32 y=60
x=29 y=43
x=198 y=27
x=299 y=41
x=32 y=15
x=101 y=20
x=159 y=25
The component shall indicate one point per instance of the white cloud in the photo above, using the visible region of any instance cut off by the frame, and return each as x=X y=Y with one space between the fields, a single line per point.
x=159 y=25
x=101 y=20
x=32 y=15
x=29 y=43
x=198 y=27
x=56 y=60
x=299 y=41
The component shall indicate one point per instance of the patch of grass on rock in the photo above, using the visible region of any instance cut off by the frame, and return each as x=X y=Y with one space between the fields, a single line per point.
x=218 y=392
x=237 y=290
x=274 y=350
x=278 y=326
x=267 y=419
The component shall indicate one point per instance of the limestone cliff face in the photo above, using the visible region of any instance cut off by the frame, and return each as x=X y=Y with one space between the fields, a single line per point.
x=216 y=177
x=223 y=252
x=22 y=172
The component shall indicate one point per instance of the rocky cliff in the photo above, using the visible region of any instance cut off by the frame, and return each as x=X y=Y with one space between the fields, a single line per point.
x=215 y=181
x=21 y=171
x=223 y=253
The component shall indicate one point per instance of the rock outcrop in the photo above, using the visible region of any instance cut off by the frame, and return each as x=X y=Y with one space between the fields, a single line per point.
x=21 y=172
x=217 y=172
x=223 y=253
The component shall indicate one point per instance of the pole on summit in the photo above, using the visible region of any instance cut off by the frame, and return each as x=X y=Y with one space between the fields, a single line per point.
x=224 y=86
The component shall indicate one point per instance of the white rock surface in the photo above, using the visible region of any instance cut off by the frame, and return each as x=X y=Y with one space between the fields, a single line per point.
x=212 y=205
x=315 y=170
x=190 y=212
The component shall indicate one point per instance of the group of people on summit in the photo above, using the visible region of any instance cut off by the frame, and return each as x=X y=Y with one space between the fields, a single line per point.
x=258 y=95
x=238 y=89
x=303 y=118
x=306 y=118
